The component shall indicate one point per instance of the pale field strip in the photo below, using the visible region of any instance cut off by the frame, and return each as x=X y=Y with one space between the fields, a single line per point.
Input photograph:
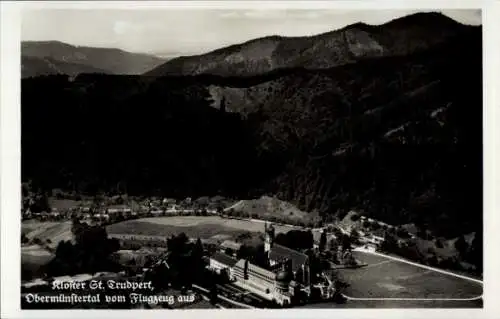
x=233 y=206
x=378 y=264
x=415 y=275
x=412 y=299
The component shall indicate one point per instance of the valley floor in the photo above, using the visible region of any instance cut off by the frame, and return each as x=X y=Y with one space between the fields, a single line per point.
x=386 y=281
x=390 y=283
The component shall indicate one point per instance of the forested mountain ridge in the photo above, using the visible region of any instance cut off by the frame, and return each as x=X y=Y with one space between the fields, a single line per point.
x=36 y=66
x=54 y=57
x=351 y=44
x=398 y=137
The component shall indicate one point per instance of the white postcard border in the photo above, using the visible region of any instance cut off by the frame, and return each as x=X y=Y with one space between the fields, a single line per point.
x=10 y=161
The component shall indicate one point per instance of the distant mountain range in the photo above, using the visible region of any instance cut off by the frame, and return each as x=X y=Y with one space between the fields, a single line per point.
x=53 y=57
x=382 y=119
x=35 y=66
x=348 y=45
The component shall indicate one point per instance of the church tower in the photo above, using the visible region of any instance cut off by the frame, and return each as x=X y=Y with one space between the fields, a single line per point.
x=223 y=105
x=269 y=239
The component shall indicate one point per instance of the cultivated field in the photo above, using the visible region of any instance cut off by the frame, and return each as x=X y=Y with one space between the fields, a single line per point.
x=35 y=255
x=238 y=224
x=387 y=278
x=193 y=226
x=387 y=283
x=54 y=231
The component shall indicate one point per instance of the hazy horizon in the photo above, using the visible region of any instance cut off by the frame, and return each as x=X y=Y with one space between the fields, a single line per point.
x=175 y=32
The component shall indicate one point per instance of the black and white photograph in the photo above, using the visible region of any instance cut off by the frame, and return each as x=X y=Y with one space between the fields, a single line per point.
x=250 y=158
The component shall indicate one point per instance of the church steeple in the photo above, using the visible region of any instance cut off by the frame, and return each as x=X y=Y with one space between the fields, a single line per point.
x=269 y=237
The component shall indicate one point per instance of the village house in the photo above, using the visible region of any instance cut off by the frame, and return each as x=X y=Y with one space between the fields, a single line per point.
x=220 y=261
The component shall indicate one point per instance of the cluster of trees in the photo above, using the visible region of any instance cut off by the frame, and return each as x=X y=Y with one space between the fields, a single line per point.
x=24 y=238
x=296 y=239
x=35 y=200
x=182 y=266
x=344 y=240
x=472 y=253
x=90 y=253
x=117 y=125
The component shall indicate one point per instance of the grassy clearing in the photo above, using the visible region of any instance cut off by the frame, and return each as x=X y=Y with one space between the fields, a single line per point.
x=266 y=207
x=385 y=278
x=237 y=224
x=155 y=229
x=193 y=226
x=35 y=260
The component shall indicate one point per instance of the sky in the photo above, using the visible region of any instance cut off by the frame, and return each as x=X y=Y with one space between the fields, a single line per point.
x=180 y=31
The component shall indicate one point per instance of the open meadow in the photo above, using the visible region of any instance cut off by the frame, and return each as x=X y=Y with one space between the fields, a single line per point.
x=389 y=283
x=193 y=226
x=388 y=278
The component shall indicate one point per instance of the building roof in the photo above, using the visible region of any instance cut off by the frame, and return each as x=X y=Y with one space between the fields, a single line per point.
x=210 y=241
x=379 y=233
x=255 y=268
x=231 y=244
x=138 y=237
x=284 y=276
x=224 y=259
x=411 y=228
x=279 y=252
